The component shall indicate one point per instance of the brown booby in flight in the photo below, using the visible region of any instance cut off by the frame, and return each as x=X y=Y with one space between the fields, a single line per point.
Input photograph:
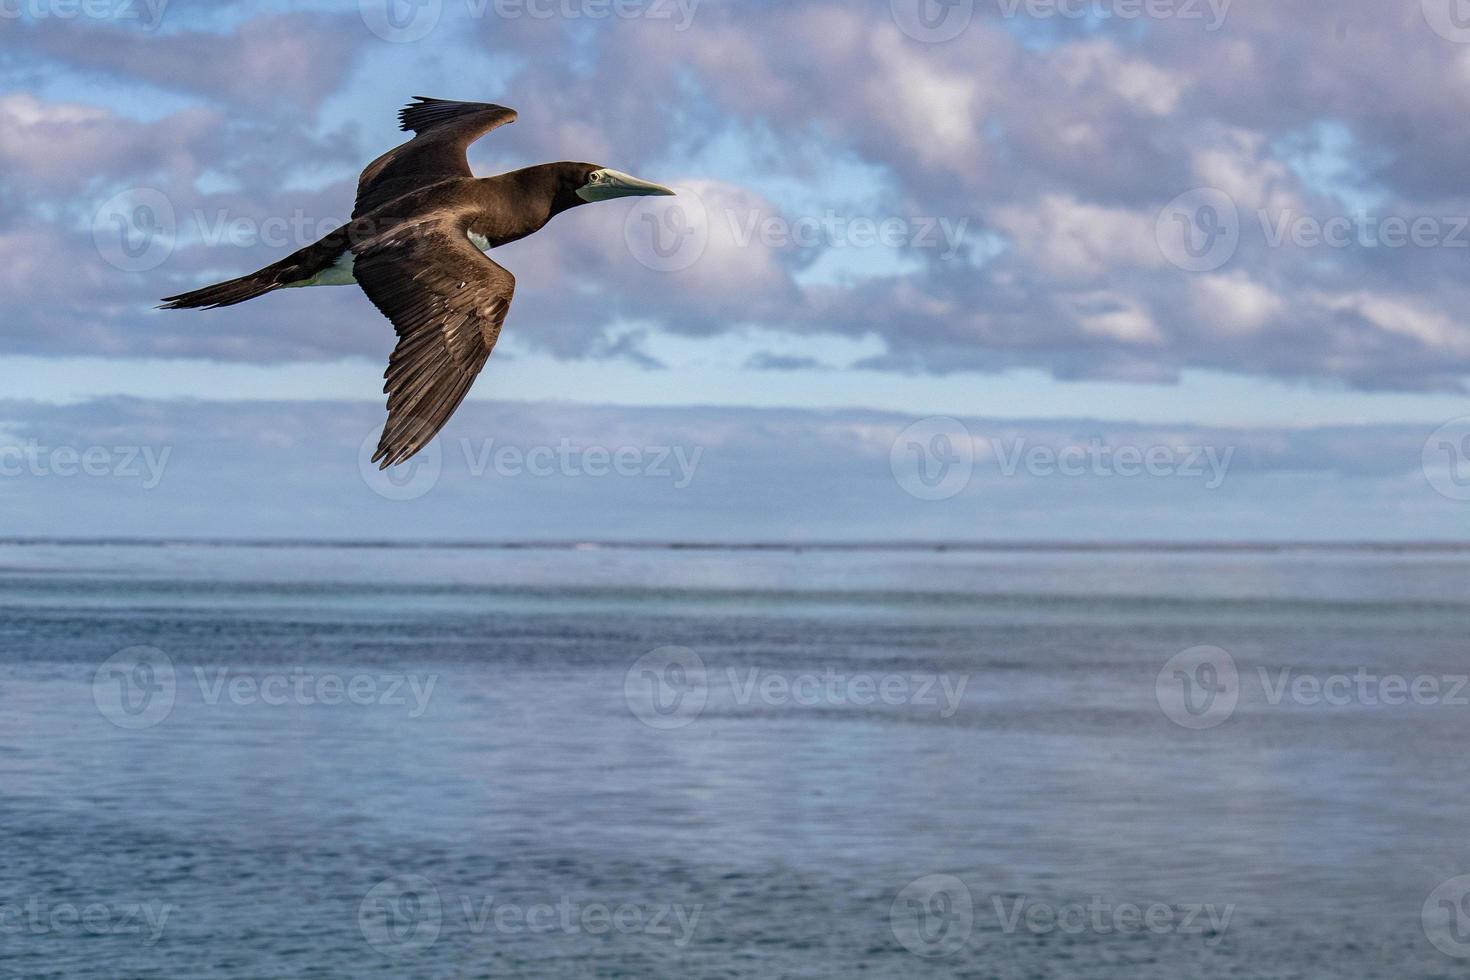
x=416 y=245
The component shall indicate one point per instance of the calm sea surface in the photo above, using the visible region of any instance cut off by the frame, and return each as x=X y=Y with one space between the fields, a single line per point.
x=348 y=762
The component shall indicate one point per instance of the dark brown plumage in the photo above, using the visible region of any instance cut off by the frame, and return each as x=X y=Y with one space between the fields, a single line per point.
x=448 y=301
x=444 y=132
x=409 y=247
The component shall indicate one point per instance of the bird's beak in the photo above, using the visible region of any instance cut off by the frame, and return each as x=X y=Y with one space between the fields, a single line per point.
x=608 y=185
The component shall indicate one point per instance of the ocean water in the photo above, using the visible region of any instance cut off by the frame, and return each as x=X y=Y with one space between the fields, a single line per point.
x=417 y=762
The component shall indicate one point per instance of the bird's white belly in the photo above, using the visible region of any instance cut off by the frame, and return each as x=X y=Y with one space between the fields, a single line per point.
x=339 y=273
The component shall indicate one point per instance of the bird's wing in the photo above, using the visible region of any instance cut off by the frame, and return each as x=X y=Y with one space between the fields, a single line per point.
x=447 y=301
x=444 y=131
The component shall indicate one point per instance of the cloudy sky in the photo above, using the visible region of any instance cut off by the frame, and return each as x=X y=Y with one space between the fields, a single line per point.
x=1083 y=269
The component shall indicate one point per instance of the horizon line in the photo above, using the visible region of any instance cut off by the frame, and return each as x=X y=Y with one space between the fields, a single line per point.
x=1018 y=545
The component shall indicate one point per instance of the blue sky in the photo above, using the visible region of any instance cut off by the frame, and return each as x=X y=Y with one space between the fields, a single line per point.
x=1238 y=223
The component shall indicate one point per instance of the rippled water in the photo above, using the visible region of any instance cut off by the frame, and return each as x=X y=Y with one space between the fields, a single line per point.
x=244 y=762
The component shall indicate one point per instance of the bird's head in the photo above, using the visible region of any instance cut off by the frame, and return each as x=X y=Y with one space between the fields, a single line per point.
x=594 y=183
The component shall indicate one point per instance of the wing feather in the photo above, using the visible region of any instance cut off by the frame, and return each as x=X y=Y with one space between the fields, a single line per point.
x=447 y=301
x=443 y=133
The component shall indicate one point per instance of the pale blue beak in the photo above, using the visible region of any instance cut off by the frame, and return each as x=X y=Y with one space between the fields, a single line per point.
x=609 y=185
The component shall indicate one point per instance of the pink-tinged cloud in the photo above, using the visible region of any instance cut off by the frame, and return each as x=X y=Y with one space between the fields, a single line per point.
x=1061 y=150
x=276 y=64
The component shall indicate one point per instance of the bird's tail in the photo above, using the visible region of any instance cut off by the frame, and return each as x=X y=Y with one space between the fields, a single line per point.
x=226 y=293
